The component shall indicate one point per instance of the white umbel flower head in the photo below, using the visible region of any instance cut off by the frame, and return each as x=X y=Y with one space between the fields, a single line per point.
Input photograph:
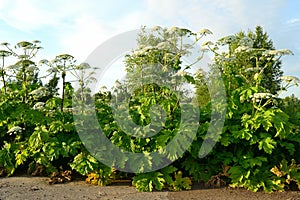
x=137 y=53
x=14 y=130
x=227 y=39
x=103 y=88
x=118 y=84
x=251 y=69
x=290 y=79
x=163 y=45
x=39 y=106
x=200 y=73
x=207 y=43
x=204 y=32
x=241 y=49
x=279 y=52
x=143 y=50
x=12 y=67
x=173 y=29
x=262 y=95
x=39 y=93
x=31 y=69
x=180 y=73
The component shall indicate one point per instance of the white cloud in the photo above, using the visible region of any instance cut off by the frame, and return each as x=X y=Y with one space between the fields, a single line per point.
x=29 y=15
x=293 y=21
x=81 y=26
x=88 y=22
x=80 y=38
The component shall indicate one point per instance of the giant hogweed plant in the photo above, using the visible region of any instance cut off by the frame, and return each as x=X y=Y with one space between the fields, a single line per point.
x=35 y=135
x=258 y=140
x=257 y=134
x=151 y=69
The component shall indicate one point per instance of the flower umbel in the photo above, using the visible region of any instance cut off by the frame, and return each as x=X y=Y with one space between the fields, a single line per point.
x=39 y=93
x=39 y=106
x=290 y=79
x=262 y=95
x=14 y=130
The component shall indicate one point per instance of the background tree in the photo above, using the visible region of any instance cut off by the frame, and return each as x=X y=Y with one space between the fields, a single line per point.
x=202 y=92
x=291 y=105
x=52 y=86
x=258 y=40
x=273 y=72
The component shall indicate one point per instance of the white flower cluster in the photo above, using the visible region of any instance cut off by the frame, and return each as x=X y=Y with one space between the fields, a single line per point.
x=225 y=58
x=143 y=50
x=23 y=56
x=227 y=39
x=204 y=32
x=207 y=43
x=178 y=31
x=242 y=48
x=200 y=73
x=118 y=83
x=279 y=52
x=173 y=29
x=44 y=61
x=31 y=69
x=251 y=69
x=39 y=106
x=103 y=88
x=12 y=67
x=83 y=66
x=14 y=130
x=180 y=73
x=163 y=45
x=290 y=79
x=261 y=95
x=39 y=93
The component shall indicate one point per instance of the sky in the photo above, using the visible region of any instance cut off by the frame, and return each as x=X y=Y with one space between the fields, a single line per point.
x=78 y=27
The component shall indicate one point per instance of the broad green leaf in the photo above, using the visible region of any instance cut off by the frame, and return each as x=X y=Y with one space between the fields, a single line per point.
x=267 y=144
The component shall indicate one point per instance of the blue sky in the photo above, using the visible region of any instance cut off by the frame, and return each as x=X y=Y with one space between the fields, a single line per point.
x=78 y=27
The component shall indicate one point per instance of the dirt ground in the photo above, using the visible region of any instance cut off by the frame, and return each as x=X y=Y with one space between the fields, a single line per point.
x=31 y=188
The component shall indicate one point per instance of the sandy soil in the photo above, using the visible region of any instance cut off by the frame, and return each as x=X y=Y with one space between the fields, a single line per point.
x=24 y=188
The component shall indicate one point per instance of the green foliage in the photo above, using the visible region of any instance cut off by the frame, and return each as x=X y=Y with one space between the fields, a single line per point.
x=259 y=138
x=101 y=177
x=291 y=106
x=146 y=182
x=180 y=182
x=84 y=163
x=287 y=174
x=7 y=158
x=161 y=179
x=258 y=132
x=34 y=134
